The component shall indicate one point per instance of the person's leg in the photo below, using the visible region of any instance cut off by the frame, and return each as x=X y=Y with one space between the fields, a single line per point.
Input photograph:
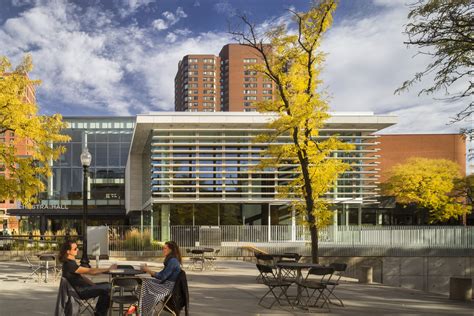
x=98 y=290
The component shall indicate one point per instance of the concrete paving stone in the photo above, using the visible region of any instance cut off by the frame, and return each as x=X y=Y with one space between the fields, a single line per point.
x=232 y=290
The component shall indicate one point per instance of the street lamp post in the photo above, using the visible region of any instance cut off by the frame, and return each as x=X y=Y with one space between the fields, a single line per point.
x=86 y=159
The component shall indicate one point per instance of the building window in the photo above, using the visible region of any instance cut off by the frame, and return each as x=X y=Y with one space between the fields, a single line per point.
x=209 y=79
x=250 y=60
x=193 y=66
x=209 y=60
x=267 y=92
x=209 y=91
x=267 y=85
x=208 y=67
x=250 y=110
x=250 y=98
x=208 y=73
x=247 y=103
x=192 y=60
x=267 y=98
x=192 y=73
x=250 y=91
x=250 y=85
x=250 y=72
x=209 y=85
x=209 y=98
x=250 y=79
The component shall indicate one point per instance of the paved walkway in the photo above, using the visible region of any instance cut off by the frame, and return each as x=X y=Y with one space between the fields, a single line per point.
x=232 y=290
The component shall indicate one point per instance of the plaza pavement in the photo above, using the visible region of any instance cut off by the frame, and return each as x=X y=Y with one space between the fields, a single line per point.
x=232 y=290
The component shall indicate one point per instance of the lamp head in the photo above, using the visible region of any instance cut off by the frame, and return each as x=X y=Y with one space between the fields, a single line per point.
x=86 y=158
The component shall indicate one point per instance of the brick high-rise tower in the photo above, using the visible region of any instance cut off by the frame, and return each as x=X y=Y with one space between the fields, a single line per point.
x=197 y=84
x=236 y=86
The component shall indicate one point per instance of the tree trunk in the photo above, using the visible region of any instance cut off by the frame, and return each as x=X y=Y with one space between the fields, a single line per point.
x=314 y=244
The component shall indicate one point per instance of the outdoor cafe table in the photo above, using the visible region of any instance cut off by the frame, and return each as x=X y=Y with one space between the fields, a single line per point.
x=124 y=272
x=46 y=258
x=201 y=252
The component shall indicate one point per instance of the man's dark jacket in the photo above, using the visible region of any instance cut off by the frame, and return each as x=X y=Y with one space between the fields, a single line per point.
x=180 y=296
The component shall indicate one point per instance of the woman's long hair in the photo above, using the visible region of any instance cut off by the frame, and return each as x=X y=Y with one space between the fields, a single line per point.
x=63 y=250
x=174 y=251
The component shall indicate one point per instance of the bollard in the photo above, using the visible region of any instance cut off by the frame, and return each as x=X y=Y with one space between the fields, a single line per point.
x=460 y=289
x=366 y=274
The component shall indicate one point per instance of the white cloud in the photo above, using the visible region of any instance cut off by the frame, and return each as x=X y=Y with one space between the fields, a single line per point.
x=367 y=61
x=85 y=59
x=226 y=8
x=160 y=24
x=106 y=69
x=169 y=20
x=171 y=37
x=127 y=7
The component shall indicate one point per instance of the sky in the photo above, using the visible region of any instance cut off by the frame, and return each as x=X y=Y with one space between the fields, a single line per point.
x=120 y=57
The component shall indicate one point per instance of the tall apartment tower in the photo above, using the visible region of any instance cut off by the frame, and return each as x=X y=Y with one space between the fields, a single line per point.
x=237 y=86
x=197 y=84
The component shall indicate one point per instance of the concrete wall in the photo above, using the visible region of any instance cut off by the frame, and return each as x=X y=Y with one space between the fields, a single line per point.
x=133 y=183
x=429 y=274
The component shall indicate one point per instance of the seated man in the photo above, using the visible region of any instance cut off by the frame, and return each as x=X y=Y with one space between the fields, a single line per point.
x=84 y=286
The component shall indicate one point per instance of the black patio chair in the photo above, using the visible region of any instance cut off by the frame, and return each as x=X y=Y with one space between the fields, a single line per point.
x=273 y=283
x=121 y=285
x=317 y=285
x=289 y=273
x=36 y=268
x=83 y=305
x=264 y=259
x=211 y=260
x=197 y=258
x=339 y=269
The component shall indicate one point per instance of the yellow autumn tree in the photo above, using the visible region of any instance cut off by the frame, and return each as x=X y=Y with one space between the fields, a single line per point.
x=292 y=61
x=26 y=160
x=431 y=184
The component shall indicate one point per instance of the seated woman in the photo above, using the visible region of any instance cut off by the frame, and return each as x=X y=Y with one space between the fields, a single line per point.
x=155 y=290
x=84 y=286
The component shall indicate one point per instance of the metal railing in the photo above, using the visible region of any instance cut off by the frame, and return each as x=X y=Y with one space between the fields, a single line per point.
x=18 y=246
x=340 y=240
x=136 y=241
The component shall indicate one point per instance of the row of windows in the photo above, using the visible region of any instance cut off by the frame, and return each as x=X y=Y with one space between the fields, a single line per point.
x=195 y=85
x=250 y=60
x=101 y=125
x=209 y=67
x=204 y=60
x=254 y=85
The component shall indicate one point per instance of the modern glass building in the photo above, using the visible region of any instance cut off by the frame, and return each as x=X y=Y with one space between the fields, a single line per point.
x=108 y=139
x=199 y=169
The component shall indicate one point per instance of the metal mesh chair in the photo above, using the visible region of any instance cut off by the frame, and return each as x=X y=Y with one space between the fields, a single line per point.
x=84 y=305
x=264 y=259
x=35 y=267
x=273 y=283
x=317 y=285
x=121 y=285
x=289 y=273
x=211 y=260
x=339 y=269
